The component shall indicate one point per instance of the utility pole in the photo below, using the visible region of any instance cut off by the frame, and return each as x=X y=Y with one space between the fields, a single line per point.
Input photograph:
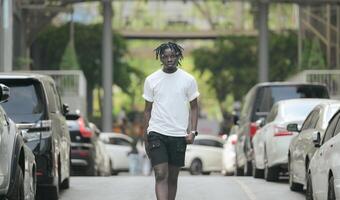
x=6 y=35
x=107 y=66
x=263 y=41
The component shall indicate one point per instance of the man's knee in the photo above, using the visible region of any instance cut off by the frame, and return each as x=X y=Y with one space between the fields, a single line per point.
x=161 y=175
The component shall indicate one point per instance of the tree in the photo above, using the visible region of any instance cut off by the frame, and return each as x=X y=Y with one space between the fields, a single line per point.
x=48 y=50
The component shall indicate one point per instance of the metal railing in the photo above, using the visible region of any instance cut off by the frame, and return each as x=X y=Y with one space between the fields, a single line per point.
x=330 y=78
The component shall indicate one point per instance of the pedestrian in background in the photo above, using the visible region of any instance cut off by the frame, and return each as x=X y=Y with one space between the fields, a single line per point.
x=134 y=161
x=168 y=92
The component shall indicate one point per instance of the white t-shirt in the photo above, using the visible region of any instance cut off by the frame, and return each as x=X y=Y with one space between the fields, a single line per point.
x=170 y=94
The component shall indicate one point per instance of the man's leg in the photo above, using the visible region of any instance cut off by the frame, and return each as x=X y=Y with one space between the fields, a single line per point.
x=172 y=181
x=161 y=176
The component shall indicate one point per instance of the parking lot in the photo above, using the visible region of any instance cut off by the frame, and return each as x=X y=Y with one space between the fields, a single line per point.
x=214 y=187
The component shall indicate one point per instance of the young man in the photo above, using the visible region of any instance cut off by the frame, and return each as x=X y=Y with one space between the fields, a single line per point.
x=168 y=93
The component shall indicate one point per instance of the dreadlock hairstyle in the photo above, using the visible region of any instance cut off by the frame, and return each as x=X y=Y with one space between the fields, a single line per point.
x=170 y=45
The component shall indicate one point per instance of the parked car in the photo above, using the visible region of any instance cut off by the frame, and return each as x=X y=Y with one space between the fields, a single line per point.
x=83 y=146
x=102 y=156
x=228 y=155
x=323 y=173
x=301 y=148
x=17 y=163
x=118 y=146
x=36 y=108
x=272 y=141
x=204 y=155
x=257 y=103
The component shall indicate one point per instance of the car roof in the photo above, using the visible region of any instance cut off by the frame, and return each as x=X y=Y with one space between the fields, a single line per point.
x=25 y=75
x=211 y=137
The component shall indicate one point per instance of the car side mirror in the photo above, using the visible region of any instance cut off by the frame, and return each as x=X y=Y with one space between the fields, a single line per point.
x=66 y=109
x=4 y=93
x=317 y=139
x=236 y=119
x=293 y=128
x=261 y=122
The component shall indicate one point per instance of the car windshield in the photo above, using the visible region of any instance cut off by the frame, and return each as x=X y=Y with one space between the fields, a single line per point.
x=270 y=95
x=298 y=111
x=25 y=103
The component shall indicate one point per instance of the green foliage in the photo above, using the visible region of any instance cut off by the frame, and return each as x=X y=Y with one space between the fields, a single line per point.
x=69 y=59
x=312 y=56
x=233 y=62
x=88 y=45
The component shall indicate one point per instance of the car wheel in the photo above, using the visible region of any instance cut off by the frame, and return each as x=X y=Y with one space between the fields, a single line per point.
x=247 y=170
x=196 y=167
x=66 y=183
x=17 y=192
x=206 y=173
x=292 y=185
x=331 y=191
x=238 y=170
x=270 y=173
x=257 y=173
x=309 y=190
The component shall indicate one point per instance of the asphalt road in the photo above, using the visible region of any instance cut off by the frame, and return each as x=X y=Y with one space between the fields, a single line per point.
x=214 y=187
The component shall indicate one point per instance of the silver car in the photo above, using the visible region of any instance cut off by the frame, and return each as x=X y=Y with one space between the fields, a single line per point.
x=271 y=143
x=302 y=149
x=17 y=163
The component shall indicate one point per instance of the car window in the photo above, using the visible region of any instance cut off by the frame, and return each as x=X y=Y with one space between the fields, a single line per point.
x=119 y=141
x=26 y=102
x=207 y=142
x=272 y=114
x=273 y=94
x=337 y=129
x=315 y=118
x=330 y=130
x=307 y=121
x=57 y=98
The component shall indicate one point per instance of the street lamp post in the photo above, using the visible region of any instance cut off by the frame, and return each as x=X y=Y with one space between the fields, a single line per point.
x=263 y=42
x=6 y=35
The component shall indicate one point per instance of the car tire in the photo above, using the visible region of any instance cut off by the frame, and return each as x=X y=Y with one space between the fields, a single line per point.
x=247 y=169
x=17 y=192
x=206 y=173
x=271 y=173
x=309 y=189
x=196 y=167
x=257 y=173
x=238 y=170
x=297 y=187
x=65 y=184
x=331 y=191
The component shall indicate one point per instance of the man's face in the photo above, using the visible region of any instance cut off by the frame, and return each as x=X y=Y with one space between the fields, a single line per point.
x=169 y=59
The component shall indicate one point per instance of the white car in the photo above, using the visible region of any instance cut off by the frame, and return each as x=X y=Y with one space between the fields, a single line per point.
x=301 y=148
x=204 y=155
x=323 y=177
x=228 y=155
x=272 y=141
x=118 y=146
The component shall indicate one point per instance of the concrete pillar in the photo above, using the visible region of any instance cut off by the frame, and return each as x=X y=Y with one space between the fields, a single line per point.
x=263 y=42
x=107 y=66
x=6 y=35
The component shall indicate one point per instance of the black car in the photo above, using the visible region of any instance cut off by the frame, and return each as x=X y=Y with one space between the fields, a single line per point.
x=257 y=103
x=36 y=108
x=83 y=146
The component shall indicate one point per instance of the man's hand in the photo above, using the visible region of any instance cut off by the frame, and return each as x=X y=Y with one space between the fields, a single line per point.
x=190 y=137
x=146 y=144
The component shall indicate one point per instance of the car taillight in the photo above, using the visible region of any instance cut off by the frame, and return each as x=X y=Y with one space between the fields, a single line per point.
x=86 y=133
x=252 y=129
x=281 y=131
x=233 y=142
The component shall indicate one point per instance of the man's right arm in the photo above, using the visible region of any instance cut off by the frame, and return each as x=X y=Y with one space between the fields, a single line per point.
x=147 y=116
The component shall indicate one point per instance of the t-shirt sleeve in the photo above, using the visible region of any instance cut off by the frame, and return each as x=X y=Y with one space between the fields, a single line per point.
x=193 y=90
x=148 y=93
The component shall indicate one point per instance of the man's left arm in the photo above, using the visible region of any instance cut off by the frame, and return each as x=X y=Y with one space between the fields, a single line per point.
x=193 y=119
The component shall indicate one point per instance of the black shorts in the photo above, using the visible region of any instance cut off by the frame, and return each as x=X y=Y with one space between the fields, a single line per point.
x=166 y=149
